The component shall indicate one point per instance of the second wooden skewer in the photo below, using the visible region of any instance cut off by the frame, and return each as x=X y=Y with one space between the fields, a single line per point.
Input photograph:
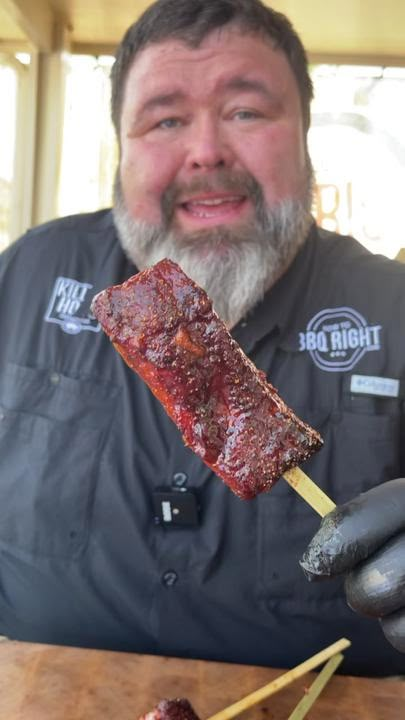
x=280 y=682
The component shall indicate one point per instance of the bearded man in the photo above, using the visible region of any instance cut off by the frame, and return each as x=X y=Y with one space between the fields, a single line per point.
x=211 y=103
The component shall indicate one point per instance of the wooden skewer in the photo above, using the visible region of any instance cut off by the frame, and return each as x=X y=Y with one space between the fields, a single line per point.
x=304 y=486
x=280 y=682
x=316 y=688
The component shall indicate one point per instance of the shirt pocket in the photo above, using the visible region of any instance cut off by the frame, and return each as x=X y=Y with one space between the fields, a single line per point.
x=359 y=452
x=366 y=450
x=53 y=429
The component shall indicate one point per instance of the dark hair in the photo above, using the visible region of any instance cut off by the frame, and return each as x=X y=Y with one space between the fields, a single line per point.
x=191 y=21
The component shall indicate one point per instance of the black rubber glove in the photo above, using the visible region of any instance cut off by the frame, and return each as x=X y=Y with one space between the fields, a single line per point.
x=365 y=538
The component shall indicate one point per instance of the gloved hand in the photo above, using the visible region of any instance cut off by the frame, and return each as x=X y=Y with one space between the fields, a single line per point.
x=365 y=538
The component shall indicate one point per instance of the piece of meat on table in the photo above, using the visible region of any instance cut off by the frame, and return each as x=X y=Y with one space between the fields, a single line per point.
x=178 y=709
x=165 y=328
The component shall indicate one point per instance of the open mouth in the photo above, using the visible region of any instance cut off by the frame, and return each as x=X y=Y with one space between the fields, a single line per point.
x=213 y=208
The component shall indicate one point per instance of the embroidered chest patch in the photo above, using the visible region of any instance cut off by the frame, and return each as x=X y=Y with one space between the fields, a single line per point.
x=337 y=338
x=69 y=306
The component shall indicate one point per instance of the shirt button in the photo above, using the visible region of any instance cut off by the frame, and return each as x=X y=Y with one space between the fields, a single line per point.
x=169 y=578
x=179 y=479
x=55 y=377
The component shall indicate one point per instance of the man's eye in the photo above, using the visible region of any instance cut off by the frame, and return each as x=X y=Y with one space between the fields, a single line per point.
x=246 y=115
x=169 y=123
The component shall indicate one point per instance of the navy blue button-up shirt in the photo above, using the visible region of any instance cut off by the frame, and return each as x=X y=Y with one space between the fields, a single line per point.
x=84 y=444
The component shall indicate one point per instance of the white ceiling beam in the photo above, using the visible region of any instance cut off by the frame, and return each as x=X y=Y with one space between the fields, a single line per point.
x=345 y=58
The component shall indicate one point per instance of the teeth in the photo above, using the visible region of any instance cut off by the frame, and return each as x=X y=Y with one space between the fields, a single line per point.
x=214 y=201
x=205 y=214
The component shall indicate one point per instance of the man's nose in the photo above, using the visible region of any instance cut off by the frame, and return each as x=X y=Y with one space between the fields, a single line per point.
x=208 y=148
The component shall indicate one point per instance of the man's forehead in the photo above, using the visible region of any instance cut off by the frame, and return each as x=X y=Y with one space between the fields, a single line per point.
x=217 y=40
x=168 y=62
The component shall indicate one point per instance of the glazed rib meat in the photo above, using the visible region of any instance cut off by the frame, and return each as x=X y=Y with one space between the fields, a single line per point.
x=165 y=328
x=178 y=709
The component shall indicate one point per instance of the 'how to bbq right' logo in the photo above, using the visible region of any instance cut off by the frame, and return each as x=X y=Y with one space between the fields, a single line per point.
x=337 y=338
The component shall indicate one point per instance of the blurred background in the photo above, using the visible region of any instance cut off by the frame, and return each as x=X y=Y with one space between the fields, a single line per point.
x=57 y=147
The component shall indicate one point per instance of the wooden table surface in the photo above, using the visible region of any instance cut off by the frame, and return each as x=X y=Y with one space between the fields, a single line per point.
x=46 y=682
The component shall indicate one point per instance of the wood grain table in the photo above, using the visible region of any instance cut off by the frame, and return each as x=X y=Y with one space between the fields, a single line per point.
x=46 y=682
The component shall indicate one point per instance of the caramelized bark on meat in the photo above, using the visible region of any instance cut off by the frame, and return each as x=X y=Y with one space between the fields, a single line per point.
x=178 y=709
x=166 y=330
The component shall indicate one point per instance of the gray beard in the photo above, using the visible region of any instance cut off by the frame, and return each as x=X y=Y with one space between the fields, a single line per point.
x=235 y=266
